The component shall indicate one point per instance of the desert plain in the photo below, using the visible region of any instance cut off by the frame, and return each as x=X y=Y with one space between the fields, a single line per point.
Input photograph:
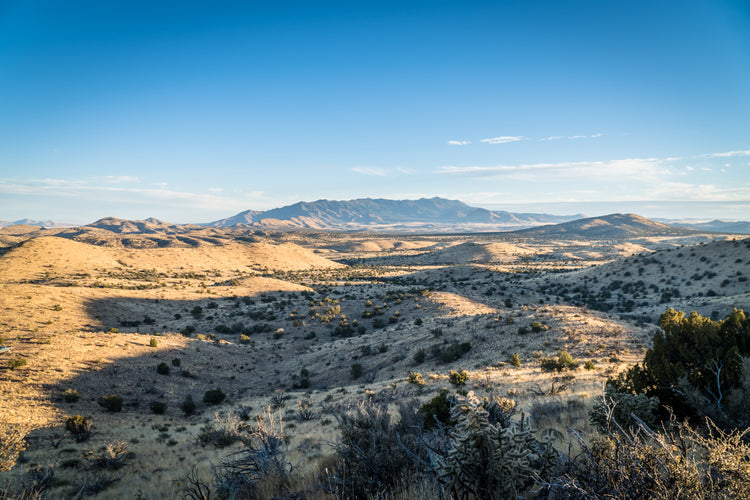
x=304 y=323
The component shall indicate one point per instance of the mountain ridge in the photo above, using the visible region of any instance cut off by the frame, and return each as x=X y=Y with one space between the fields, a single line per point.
x=383 y=214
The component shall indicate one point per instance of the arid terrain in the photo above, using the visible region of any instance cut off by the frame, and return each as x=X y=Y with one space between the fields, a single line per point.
x=309 y=322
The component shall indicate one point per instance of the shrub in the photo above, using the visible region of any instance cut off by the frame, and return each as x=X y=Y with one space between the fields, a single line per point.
x=157 y=407
x=16 y=363
x=590 y=365
x=458 y=377
x=162 y=369
x=112 y=457
x=111 y=403
x=153 y=343
x=113 y=330
x=536 y=327
x=214 y=397
x=677 y=462
x=176 y=362
x=437 y=411
x=71 y=395
x=356 y=371
x=188 y=406
x=222 y=432
x=453 y=352
x=79 y=427
x=697 y=366
x=420 y=356
x=564 y=361
x=371 y=452
x=515 y=360
x=415 y=378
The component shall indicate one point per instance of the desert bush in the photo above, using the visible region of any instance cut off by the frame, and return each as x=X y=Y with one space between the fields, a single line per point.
x=112 y=457
x=223 y=432
x=263 y=459
x=515 y=360
x=111 y=403
x=356 y=371
x=176 y=362
x=420 y=356
x=453 y=352
x=697 y=367
x=372 y=456
x=677 y=462
x=153 y=343
x=157 y=407
x=415 y=378
x=79 y=427
x=16 y=363
x=564 y=361
x=491 y=461
x=437 y=411
x=162 y=369
x=458 y=377
x=188 y=406
x=214 y=397
x=590 y=365
x=71 y=395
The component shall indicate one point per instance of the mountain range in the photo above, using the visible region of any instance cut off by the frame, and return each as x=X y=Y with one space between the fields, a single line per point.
x=424 y=214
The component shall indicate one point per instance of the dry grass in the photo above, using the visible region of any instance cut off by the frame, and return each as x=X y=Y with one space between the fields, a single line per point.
x=60 y=299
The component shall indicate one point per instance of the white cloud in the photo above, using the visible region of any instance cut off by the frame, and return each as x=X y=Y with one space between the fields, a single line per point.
x=215 y=190
x=119 y=179
x=689 y=168
x=379 y=172
x=727 y=154
x=459 y=143
x=570 y=137
x=503 y=139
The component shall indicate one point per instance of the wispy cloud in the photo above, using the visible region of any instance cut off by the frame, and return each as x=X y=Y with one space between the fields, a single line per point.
x=97 y=189
x=379 y=172
x=631 y=167
x=459 y=143
x=727 y=154
x=503 y=139
x=119 y=179
x=570 y=137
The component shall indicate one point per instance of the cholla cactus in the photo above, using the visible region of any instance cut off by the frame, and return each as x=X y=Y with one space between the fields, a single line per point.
x=491 y=461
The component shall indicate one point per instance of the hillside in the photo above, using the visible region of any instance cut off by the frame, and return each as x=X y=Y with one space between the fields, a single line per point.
x=608 y=226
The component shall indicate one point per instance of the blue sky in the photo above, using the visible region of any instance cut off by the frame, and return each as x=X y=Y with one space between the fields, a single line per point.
x=194 y=111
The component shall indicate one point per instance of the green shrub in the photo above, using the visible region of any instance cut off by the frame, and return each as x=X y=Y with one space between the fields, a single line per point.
x=415 y=378
x=453 y=352
x=420 y=356
x=111 y=403
x=16 y=363
x=188 y=406
x=176 y=362
x=515 y=360
x=162 y=369
x=590 y=365
x=437 y=411
x=536 y=327
x=157 y=407
x=356 y=371
x=214 y=397
x=113 y=330
x=697 y=367
x=79 y=427
x=153 y=343
x=564 y=361
x=71 y=395
x=458 y=377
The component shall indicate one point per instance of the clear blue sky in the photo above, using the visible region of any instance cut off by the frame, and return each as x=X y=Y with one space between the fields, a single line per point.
x=194 y=111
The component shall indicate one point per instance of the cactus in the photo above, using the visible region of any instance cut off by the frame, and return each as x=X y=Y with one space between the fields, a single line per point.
x=492 y=461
